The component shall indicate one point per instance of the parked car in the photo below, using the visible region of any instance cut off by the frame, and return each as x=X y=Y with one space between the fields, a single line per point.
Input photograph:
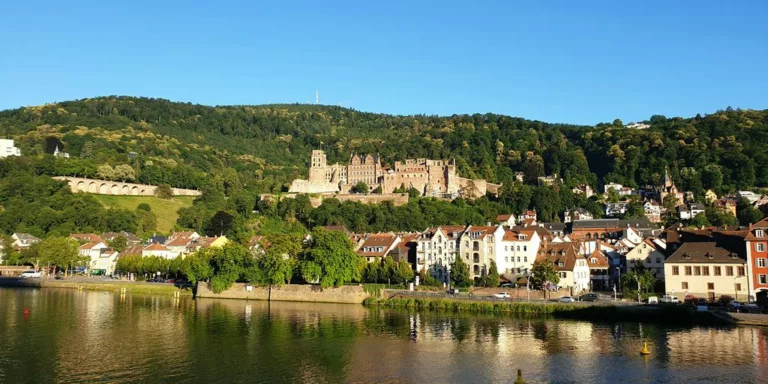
x=669 y=299
x=589 y=297
x=566 y=299
x=502 y=295
x=30 y=274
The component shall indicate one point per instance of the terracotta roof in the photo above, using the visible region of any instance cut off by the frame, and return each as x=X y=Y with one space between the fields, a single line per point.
x=704 y=253
x=89 y=245
x=565 y=253
x=88 y=237
x=178 y=242
x=132 y=251
x=762 y=224
x=504 y=217
x=155 y=247
x=204 y=241
x=186 y=234
x=601 y=261
x=510 y=235
x=381 y=241
x=529 y=222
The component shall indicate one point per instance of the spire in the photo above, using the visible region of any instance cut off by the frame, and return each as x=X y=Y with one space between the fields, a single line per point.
x=667 y=179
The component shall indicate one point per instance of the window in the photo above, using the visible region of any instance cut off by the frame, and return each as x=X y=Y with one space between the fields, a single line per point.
x=760 y=247
x=711 y=286
x=718 y=272
x=759 y=233
x=685 y=285
x=658 y=260
x=688 y=271
x=506 y=259
x=737 y=286
x=525 y=248
x=761 y=263
x=697 y=271
x=593 y=260
x=518 y=259
x=762 y=279
x=742 y=272
x=705 y=271
x=506 y=248
x=518 y=248
x=525 y=258
x=675 y=270
x=729 y=271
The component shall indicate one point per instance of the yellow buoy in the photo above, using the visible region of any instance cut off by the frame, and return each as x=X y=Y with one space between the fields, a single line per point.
x=520 y=379
x=645 y=351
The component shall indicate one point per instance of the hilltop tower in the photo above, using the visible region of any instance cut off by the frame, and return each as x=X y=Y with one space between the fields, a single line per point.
x=318 y=167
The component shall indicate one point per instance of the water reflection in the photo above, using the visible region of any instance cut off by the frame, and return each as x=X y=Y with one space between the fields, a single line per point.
x=72 y=336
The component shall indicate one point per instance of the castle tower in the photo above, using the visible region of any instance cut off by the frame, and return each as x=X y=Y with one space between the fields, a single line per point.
x=667 y=180
x=318 y=165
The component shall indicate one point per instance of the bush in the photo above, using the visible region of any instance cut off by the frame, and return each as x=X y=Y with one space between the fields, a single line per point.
x=164 y=191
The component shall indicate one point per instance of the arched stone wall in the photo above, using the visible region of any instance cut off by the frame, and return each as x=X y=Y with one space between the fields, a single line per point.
x=103 y=187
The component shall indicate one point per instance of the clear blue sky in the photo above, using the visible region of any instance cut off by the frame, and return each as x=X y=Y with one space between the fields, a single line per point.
x=559 y=61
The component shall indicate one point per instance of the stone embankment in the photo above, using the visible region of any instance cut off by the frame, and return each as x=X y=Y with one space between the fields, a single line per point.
x=289 y=292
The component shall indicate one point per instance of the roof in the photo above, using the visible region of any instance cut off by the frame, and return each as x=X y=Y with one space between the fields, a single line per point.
x=379 y=240
x=26 y=237
x=612 y=223
x=89 y=245
x=704 y=253
x=553 y=227
x=600 y=260
x=155 y=247
x=762 y=224
x=504 y=217
x=512 y=235
x=482 y=230
x=529 y=222
x=158 y=239
x=131 y=237
x=88 y=237
x=565 y=253
x=131 y=251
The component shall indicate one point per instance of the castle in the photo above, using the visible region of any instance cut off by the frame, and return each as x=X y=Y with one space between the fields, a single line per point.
x=435 y=178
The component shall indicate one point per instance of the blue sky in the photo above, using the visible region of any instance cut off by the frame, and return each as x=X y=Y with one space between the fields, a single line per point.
x=560 y=61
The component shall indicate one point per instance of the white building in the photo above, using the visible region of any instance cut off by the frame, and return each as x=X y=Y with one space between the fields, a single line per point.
x=616 y=209
x=59 y=153
x=23 y=240
x=650 y=255
x=7 y=148
x=615 y=186
x=516 y=252
x=478 y=246
x=437 y=248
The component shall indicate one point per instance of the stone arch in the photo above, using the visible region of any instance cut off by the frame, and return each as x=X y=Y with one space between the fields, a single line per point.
x=144 y=192
x=135 y=190
x=103 y=189
x=125 y=190
x=80 y=186
x=92 y=187
x=113 y=190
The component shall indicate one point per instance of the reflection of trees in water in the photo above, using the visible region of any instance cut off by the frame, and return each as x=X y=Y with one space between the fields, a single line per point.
x=281 y=346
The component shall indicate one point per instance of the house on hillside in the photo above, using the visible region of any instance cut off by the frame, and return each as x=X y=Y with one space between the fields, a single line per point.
x=156 y=249
x=577 y=214
x=83 y=238
x=616 y=209
x=652 y=211
x=23 y=240
x=130 y=238
x=507 y=220
x=516 y=252
x=378 y=246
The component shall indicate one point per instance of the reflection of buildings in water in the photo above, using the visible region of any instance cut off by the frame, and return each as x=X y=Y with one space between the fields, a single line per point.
x=709 y=346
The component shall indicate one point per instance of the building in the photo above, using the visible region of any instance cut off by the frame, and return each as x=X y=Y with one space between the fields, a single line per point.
x=710 y=196
x=725 y=205
x=670 y=189
x=437 y=178
x=691 y=211
x=570 y=266
x=8 y=148
x=23 y=240
x=527 y=215
x=749 y=195
x=757 y=260
x=616 y=209
x=516 y=252
x=86 y=238
x=650 y=255
x=577 y=214
x=706 y=270
x=583 y=189
x=652 y=211
x=92 y=250
x=58 y=153
x=130 y=238
x=599 y=271
x=615 y=186
x=377 y=246
x=507 y=220
x=158 y=250
x=638 y=126
x=405 y=250
x=477 y=244
x=104 y=264
x=437 y=248
x=549 y=181
x=610 y=230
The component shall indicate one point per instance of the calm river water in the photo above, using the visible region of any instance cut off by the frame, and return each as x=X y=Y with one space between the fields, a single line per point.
x=86 y=337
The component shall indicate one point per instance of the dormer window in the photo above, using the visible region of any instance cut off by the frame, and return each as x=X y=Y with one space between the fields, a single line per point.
x=560 y=264
x=759 y=233
x=523 y=237
x=593 y=260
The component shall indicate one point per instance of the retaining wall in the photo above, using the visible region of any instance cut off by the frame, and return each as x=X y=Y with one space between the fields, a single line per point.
x=104 y=187
x=289 y=292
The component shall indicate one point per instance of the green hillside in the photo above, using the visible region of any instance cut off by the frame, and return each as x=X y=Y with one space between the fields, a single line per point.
x=165 y=210
x=234 y=153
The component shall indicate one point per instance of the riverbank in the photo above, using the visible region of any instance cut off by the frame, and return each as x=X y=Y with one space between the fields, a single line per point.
x=348 y=294
x=669 y=315
x=117 y=286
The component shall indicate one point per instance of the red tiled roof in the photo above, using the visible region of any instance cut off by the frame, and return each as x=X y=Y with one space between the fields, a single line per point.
x=383 y=241
x=601 y=261
x=178 y=242
x=155 y=247
x=89 y=245
x=565 y=253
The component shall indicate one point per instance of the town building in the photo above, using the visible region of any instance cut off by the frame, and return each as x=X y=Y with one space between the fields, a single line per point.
x=377 y=246
x=23 y=240
x=8 y=148
x=691 y=211
x=615 y=186
x=725 y=205
x=610 y=230
x=583 y=189
x=749 y=195
x=652 y=211
x=130 y=238
x=670 y=189
x=516 y=252
x=616 y=209
x=437 y=248
x=549 y=181
x=477 y=244
x=710 y=196
x=571 y=267
x=757 y=260
x=649 y=254
x=86 y=238
x=436 y=178
x=576 y=214
x=507 y=220
x=599 y=274
x=706 y=270
x=156 y=249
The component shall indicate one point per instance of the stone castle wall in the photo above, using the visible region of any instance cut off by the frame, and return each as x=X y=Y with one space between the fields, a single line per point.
x=316 y=200
x=104 y=187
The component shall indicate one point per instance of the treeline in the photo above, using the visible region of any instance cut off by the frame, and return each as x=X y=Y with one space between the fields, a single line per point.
x=43 y=207
x=269 y=145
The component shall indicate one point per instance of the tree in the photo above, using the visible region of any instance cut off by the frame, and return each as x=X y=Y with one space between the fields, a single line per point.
x=8 y=254
x=330 y=259
x=119 y=243
x=277 y=264
x=746 y=213
x=58 y=251
x=87 y=151
x=492 y=280
x=640 y=274
x=372 y=273
x=360 y=187
x=403 y=272
x=164 y=191
x=699 y=221
x=460 y=274
x=124 y=172
x=144 y=207
x=543 y=272
x=106 y=172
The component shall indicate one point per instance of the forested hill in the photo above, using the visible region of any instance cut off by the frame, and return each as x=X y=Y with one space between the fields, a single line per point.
x=265 y=147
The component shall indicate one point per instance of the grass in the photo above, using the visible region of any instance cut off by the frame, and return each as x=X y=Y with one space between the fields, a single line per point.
x=165 y=210
x=671 y=315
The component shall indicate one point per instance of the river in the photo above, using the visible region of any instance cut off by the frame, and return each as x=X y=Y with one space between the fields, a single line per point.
x=69 y=336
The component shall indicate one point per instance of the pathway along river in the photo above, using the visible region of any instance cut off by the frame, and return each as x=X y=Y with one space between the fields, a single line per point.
x=71 y=336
